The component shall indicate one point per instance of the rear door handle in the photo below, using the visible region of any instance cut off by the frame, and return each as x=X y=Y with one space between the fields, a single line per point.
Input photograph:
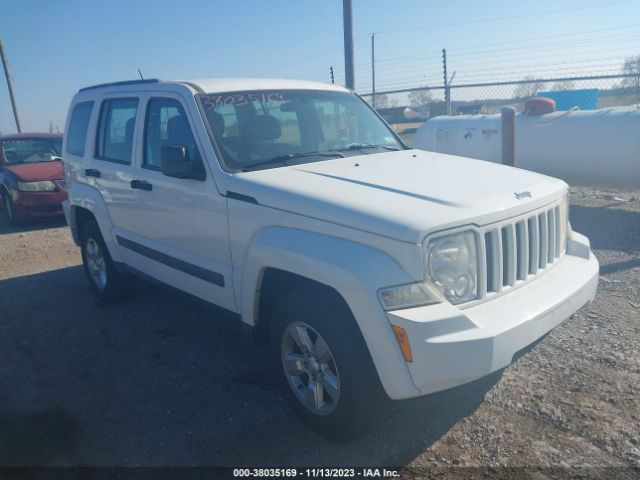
x=92 y=172
x=141 y=185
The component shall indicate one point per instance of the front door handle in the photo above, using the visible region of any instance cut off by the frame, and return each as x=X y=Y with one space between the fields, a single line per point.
x=141 y=185
x=92 y=172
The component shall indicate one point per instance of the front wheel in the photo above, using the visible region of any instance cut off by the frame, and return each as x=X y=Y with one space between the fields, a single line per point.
x=9 y=209
x=105 y=280
x=323 y=364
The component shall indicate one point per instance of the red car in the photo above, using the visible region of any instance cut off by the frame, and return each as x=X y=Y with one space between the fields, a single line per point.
x=31 y=175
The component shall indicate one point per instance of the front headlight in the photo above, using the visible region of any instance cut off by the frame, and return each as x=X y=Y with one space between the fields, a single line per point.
x=43 y=186
x=452 y=266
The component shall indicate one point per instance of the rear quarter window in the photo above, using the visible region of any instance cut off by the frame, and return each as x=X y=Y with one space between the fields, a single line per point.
x=78 y=126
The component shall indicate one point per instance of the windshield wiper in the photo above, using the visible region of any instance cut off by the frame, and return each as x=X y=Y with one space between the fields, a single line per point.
x=360 y=146
x=283 y=158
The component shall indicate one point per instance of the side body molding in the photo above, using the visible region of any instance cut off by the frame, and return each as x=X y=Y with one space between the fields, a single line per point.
x=355 y=271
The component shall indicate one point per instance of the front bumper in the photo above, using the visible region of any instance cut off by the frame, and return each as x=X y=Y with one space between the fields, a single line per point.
x=452 y=346
x=39 y=204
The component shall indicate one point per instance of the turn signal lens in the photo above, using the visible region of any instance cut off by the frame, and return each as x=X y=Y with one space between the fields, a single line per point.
x=408 y=296
x=403 y=342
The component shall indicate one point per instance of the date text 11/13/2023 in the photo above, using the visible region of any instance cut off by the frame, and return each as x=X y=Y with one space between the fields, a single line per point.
x=316 y=472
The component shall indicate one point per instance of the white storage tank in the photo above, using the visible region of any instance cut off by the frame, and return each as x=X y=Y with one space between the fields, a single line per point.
x=591 y=147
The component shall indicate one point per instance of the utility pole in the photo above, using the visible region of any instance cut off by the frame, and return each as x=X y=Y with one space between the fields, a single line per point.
x=7 y=74
x=447 y=91
x=347 y=15
x=373 y=70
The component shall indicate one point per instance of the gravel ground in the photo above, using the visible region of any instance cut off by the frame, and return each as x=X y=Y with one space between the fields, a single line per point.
x=163 y=380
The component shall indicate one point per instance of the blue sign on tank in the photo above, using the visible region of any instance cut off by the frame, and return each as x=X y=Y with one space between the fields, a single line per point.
x=585 y=99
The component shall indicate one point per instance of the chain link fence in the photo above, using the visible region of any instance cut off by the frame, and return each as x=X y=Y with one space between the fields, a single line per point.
x=405 y=109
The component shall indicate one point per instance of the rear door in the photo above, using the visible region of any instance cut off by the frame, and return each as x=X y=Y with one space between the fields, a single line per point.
x=111 y=169
x=182 y=228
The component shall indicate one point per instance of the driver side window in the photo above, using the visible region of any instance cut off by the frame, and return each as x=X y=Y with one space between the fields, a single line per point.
x=166 y=124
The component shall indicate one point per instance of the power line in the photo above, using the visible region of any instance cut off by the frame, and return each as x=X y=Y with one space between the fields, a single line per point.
x=554 y=46
x=554 y=79
x=301 y=59
x=546 y=37
x=400 y=62
x=509 y=17
x=566 y=71
x=522 y=70
x=577 y=64
x=532 y=57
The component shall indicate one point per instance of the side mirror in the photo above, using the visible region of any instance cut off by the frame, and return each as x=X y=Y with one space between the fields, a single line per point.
x=175 y=162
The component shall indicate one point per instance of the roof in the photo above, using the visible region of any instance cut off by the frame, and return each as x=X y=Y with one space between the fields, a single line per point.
x=215 y=85
x=238 y=84
x=18 y=136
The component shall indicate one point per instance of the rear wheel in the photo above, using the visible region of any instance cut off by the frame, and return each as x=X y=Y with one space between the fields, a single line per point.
x=104 y=279
x=323 y=364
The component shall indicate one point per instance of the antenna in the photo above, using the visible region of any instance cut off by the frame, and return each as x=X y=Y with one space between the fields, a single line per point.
x=140 y=73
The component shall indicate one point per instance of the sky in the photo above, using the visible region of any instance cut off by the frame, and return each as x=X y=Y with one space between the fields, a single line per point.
x=56 y=47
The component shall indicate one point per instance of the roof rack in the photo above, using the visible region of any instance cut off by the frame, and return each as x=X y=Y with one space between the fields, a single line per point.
x=118 y=84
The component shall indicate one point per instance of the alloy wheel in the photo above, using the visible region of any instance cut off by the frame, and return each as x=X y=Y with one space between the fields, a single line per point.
x=310 y=368
x=96 y=263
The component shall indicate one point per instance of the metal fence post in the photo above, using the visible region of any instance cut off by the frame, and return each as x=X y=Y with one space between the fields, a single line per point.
x=347 y=14
x=447 y=90
x=508 y=127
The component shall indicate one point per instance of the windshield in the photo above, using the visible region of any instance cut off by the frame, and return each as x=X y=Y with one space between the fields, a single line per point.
x=32 y=150
x=272 y=128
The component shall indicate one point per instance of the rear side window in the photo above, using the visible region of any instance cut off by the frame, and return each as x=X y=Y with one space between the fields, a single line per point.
x=115 y=130
x=77 y=133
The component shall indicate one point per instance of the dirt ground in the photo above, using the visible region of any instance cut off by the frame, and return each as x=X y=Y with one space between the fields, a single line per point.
x=163 y=381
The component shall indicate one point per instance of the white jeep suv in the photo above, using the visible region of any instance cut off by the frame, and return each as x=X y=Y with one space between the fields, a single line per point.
x=373 y=270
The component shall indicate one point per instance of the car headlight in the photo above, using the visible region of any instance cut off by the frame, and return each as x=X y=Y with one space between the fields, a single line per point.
x=43 y=186
x=452 y=266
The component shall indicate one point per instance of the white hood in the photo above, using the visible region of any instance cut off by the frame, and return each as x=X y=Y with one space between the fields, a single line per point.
x=402 y=195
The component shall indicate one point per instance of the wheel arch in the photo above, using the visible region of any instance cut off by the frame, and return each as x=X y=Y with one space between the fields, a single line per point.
x=86 y=203
x=274 y=283
x=279 y=259
x=356 y=271
x=80 y=217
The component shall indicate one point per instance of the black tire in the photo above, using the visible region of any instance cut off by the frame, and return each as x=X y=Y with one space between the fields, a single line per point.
x=7 y=205
x=116 y=286
x=362 y=400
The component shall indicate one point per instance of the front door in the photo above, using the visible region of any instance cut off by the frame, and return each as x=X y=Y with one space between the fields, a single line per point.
x=182 y=222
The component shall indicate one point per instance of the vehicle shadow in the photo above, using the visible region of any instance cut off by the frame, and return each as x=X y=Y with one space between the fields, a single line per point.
x=608 y=227
x=30 y=225
x=163 y=380
x=39 y=438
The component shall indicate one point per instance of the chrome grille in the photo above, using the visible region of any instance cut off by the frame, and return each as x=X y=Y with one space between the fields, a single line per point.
x=515 y=251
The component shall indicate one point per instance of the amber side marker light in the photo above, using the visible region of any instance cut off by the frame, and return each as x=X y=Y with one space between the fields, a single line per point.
x=403 y=342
